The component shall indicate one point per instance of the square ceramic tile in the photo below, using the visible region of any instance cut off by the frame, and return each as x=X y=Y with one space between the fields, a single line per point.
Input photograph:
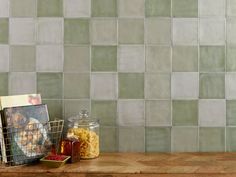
x=231 y=62
x=212 y=7
x=158 y=8
x=230 y=139
x=185 y=31
x=77 y=8
x=76 y=59
x=4 y=8
x=185 y=59
x=3 y=84
x=157 y=86
x=131 y=85
x=49 y=85
x=158 y=139
x=104 y=8
x=131 y=8
x=211 y=139
x=212 y=31
x=231 y=112
x=23 y=8
x=231 y=28
x=131 y=139
x=73 y=107
x=158 y=59
x=54 y=109
x=4 y=58
x=104 y=86
x=212 y=59
x=131 y=58
x=22 y=83
x=23 y=58
x=185 y=8
x=184 y=85
x=4 y=28
x=230 y=85
x=184 y=139
x=158 y=112
x=105 y=111
x=184 y=112
x=104 y=31
x=212 y=113
x=212 y=86
x=131 y=31
x=158 y=31
x=231 y=7
x=50 y=8
x=49 y=58
x=76 y=31
x=131 y=113
x=50 y=31
x=22 y=31
x=76 y=86
x=104 y=58
x=108 y=139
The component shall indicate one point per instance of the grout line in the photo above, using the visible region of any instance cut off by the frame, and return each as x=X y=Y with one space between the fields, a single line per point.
x=171 y=66
x=225 y=28
x=198 y=60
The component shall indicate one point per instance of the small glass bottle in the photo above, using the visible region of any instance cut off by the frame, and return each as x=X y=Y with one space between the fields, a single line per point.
x=71 y=147
x=86 y=130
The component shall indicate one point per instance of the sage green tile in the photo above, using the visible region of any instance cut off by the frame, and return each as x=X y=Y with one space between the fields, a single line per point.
x=104 y=58
x=231 y=112
x=108 y=139
x=231 y=55
x=23 y=58
x=49 y=85
x=76 y=85
x=4 y=27
x=185 y=112
x=72 y=107
x=3 y=84
x=158 y=139
x=185 y=8
x=212 y=139
x=23 y=8
x=212 y=85
x=185 y=59
x=76 y=31
x=104 y=8
x=131 y=31
x=50 y=8
x=155 y=8
x=212 y=59
x=76 y=59
x=231 y=139
x=105 y=111
x=55 y=109
x=131 y=85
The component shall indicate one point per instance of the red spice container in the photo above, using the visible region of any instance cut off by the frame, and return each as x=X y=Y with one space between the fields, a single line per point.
x=71 y=147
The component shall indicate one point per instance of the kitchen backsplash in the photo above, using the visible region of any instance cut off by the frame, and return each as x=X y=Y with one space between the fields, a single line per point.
x=160 y=74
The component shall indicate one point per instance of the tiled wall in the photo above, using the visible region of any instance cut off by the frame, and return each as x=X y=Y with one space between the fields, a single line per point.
x=161 y=74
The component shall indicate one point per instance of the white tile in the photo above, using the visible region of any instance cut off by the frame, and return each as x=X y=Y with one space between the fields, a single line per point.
x=184 y=85
x=4 y=8
x=49 y=58
x=212 y=7
x=231 y=7
x=131 y=59
x=22 y=31
x=22 y=83
x=4 y=58
x=212 y=113
x=230 y=85
x=231 y=28
x=50 y=31
x=185 y=31
x=104 y=31
x=131 y=113
x=77 y=8
x=212 y=31
x=104 y=86
x=131 y=8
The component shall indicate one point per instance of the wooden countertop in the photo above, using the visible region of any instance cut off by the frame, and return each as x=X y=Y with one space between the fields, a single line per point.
x=137 y=164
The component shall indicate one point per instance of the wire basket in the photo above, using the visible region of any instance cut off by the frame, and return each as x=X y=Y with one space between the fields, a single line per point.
x=24 y=145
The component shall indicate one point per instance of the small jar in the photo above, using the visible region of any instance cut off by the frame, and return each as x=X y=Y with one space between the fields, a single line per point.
x=86 y=131
x=71 y=147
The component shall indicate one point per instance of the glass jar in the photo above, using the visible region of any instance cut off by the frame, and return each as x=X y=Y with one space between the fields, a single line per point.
x=86 y=130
